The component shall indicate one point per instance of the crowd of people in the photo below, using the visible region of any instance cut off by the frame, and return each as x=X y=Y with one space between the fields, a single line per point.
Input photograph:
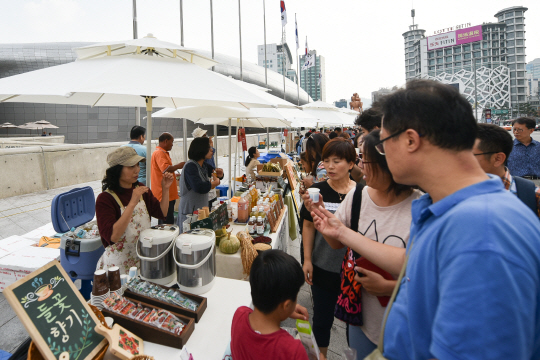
x=425 y=240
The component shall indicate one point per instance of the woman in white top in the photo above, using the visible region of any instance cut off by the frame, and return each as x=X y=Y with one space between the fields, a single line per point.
x=385 y=217
x=252 y=162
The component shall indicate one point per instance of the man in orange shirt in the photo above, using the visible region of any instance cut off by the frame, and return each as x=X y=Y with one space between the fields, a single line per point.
x=161 y=163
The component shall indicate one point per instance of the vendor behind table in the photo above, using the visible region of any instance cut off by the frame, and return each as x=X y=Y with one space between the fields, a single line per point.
x=125 y=207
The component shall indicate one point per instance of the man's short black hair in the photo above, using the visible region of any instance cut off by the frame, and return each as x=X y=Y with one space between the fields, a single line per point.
x=370 y=119
x=274 y=278
x=529 y=122
x=198 y=148
x=136 y=132
x=333 y=135
x=164 y=137
x=494 y=139
x=308 y=134
x=435 y=111
x=337 y=129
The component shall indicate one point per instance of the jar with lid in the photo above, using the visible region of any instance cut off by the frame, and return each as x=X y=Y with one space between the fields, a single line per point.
x=252 y=226
x=260 y=226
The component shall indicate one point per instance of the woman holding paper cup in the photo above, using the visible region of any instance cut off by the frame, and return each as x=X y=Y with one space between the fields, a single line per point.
x=322 y=264
x=197 y=179
x=124 y=209
x=384 y=217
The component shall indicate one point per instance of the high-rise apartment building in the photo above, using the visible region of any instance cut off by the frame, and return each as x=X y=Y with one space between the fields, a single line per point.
x=309 y=78
x=486 y=62
x=278 y=59
x=533 y=68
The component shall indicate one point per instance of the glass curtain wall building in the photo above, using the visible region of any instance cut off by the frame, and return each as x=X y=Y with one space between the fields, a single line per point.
x=309 y=79
x=486 y=62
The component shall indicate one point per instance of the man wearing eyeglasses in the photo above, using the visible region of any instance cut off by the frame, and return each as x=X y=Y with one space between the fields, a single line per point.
x=470 y=282
x=524 y=160
x=492 y=147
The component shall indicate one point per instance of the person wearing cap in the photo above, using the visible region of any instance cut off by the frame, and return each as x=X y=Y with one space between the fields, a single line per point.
x=161 y=164
x=124 y=208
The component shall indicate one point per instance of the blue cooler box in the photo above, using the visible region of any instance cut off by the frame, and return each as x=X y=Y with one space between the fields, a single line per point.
x=78 y=256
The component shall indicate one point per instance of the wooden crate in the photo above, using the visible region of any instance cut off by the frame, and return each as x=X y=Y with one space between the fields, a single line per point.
x=196 y=315
x=151 y=333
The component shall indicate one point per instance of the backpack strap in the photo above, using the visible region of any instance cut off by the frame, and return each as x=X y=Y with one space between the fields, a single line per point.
x=526 y=192
x=356 y=205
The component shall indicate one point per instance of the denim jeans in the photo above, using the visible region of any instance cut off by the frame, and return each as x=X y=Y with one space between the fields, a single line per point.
x=359 y=341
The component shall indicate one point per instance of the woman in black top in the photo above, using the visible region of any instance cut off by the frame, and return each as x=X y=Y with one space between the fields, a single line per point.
x=322 y=264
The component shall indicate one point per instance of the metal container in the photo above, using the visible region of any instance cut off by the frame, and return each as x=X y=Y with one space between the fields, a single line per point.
x=195 y=257
x=154 y=248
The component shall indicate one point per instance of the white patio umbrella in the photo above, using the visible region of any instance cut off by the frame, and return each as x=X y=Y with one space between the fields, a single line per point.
x=148 y=45
x=328 y=114
x=129 y=80
x=7 y=126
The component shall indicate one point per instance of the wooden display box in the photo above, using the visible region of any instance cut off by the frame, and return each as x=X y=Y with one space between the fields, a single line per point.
x=267 y=173
x=281 y=161
x=196 y=315
x=151 y=333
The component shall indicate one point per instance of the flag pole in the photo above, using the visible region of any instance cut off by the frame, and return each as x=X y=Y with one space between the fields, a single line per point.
x=317 y=84
x=135 y=36
x=181 y=22
x=265 y=64
x=240 y=34
x=283 y=57
x=297 y=64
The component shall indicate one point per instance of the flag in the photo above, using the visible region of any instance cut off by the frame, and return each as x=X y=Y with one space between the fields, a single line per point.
x=283 y=14
x=307 y=50
x=296 y=30
x=309 y=61
x=320 y=79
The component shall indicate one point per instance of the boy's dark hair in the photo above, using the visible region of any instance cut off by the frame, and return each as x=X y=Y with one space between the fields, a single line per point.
x=370 y=118
x=529 y=122
x=494 y=139
x=198 y=148
x=435 y=111
x=333 y=135
x=136 y=132
x=341 y=148
x=371 y=154
x=274 y=277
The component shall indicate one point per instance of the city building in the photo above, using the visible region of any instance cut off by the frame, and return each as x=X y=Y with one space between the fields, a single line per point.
x=486 y=62
x=377 y=95
x=533 y=68
x=278 y=59
x=342 y=103
x=85 y=124
x=309 y=78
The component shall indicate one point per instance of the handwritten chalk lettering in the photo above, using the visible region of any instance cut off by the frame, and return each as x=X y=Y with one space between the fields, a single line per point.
x=62 y=325
x=60 y=302
x=71 y=319
x=45 y=312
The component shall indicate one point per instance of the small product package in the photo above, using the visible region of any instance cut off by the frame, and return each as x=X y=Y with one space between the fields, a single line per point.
x=308 y=339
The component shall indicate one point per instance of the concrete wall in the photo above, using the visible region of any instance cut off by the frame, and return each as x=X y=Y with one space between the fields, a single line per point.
x=37 y=168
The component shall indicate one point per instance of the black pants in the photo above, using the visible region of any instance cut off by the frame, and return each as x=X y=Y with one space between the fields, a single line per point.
x=170 y=214
x=324 y=303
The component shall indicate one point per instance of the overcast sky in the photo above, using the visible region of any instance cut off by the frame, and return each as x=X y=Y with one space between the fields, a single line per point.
x=360 y=39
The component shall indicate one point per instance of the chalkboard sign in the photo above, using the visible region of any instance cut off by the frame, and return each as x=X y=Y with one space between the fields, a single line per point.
x=55 y=314
x=215 y=221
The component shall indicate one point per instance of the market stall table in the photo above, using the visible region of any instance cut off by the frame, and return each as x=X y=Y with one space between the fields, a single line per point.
x=230 y=265
x=213 y=332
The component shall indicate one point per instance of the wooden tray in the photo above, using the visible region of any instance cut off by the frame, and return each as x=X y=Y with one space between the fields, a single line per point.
x=151 y=333
x=281 y=214
x=172 y=307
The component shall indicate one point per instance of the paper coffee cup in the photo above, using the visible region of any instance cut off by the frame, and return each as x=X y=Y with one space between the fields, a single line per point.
x=133 y=272
x=100 y=285
x=114 y=278
x=314 y=194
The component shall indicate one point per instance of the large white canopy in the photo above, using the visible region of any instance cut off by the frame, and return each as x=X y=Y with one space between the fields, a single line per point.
x=146 y=45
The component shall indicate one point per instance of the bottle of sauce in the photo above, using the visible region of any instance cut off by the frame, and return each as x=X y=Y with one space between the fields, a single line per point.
x=251 y=226
x=260 y=226
x=243 y=210
x=254 y=212
x=229 y=210
x=262 y=214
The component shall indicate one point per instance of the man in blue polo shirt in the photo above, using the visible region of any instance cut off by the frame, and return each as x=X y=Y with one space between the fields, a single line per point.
x=524 y=160
x=137 y=136
x=471 y=288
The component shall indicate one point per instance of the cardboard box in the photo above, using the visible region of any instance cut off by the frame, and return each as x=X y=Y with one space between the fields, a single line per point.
x=13 y=243
x=29 y=259
x=281 y=161
x=267 y=173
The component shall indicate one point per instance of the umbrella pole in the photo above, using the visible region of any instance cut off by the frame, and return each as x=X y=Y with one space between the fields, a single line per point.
x=235 y=155
x=230 y=154
x=216 y=157
x=268 y=139
x=148 y=139
x=184 y=139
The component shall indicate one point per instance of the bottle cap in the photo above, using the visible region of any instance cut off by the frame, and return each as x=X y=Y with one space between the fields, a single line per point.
x=259 y=218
